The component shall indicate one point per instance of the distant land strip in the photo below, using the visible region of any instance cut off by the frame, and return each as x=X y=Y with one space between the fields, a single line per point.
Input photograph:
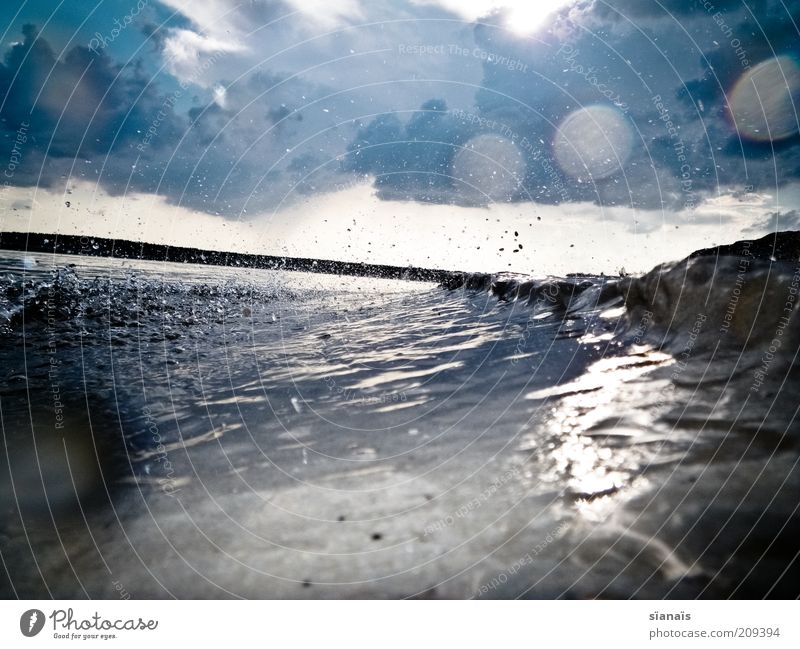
x=68 y=244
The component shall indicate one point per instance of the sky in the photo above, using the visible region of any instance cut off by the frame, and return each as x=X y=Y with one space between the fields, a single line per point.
x=493 y=135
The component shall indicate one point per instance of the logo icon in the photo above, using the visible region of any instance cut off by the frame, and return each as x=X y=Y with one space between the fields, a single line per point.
x=31 y=622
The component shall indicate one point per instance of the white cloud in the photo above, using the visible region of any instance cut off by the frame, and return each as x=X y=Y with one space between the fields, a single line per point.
x=185 y=53
x=523 y=16
x=329 y=13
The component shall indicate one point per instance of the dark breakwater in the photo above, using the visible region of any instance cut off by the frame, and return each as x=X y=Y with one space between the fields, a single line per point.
x=66 y=244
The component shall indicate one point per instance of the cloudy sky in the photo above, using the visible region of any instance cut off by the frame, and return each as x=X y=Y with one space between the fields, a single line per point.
x=545 y=137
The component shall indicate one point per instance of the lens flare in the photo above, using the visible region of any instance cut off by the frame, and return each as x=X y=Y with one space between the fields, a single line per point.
x=490 y=166
x=764 y=102
x=593 y=143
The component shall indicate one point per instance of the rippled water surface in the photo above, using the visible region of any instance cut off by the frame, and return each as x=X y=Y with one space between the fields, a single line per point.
x=204 y=432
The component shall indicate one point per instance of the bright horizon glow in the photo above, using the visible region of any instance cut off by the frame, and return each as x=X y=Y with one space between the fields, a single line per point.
x=407 y=233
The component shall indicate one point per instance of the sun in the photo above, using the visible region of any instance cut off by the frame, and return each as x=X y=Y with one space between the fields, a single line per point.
x=523 y=16
x=526 y=17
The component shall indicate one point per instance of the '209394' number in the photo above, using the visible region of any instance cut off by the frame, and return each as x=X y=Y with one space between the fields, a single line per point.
x=758 y=632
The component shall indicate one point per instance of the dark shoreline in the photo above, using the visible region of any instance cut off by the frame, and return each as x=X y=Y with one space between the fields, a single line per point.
x=67 y=244
x=777 y=246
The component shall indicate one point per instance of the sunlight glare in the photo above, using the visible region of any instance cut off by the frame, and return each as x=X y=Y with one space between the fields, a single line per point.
x=522 y=16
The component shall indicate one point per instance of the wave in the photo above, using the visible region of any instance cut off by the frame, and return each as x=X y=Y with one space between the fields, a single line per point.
x=62 y=295
x=739 y=298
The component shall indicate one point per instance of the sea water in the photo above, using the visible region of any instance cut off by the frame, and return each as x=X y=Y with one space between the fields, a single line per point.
x=191 y=431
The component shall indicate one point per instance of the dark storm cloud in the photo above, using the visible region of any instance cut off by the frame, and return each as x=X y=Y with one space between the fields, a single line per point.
x=79 y=105
x=155 y=34
x=776 y=221
x=637 y=9
x=225 y=107
x=249 y=153
x=246 y=134
x=83 y=106
x=87 y=117
x=668 y=71
x=411 y=159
